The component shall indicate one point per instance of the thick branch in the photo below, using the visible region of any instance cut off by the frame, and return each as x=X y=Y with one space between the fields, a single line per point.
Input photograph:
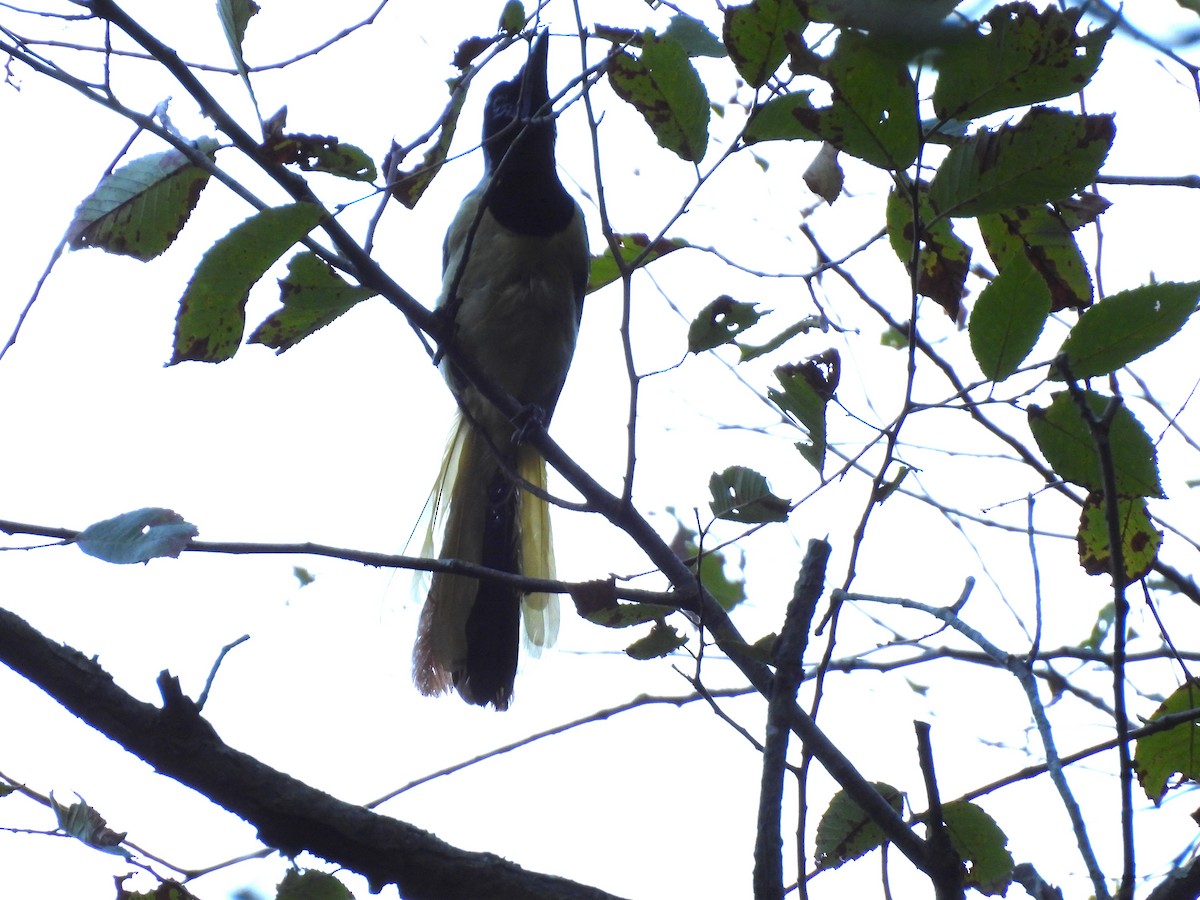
x=288 y=814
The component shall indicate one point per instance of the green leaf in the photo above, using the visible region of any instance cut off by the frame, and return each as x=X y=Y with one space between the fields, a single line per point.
x=694 y=36
x=662 y=640
x=756 y=36
x=743 y=495
x=1120 y=328
x=1023 y=57
x=512 y=19
x=1064 y=439
x=313 y=296
x=806 y=392
x=776 y=119
x=596 y=601
x=235 y=15
x=322 y=153
x=139 y=209
x=84 y=824
x=804 y=326
x=1140 y=540
x=408 y=187
x=138 y=536
x=1048 y=155
x=632 y=247
x=1045 y=240
x=663 y=86
x=1175 y=751
x=1008 y=318
x=874 y=111
x=944 y=260
x=212 y=311
x=981 y=845
x=720 y=323
x=845 y=832
x=310 y=884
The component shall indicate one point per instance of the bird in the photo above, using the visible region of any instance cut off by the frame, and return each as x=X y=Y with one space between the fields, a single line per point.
x=515 y=267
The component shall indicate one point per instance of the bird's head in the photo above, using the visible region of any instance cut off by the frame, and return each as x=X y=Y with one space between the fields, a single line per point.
x=518 y=128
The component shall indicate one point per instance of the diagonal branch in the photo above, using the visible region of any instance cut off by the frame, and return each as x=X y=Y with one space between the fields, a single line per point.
x=288 y=814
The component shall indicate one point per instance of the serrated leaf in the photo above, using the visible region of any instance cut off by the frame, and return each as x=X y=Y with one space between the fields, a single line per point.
x=137 y=536
x=139 y=209
x=662 y=640
x=1140 y=540
x=845 y=832
x=1048 y=155
x=1125 y=326
x=743 y=495
x=1008 y=318
x=944 y=260
x=313 y=295
x=873 y=114
x=756 y=36
x=663 y=86
x=408 y=187
x=1065 y=440
x=632 y=247
x=1045 y=240
x=310 y=884
x=1023 y=57
x=720 y=323
x=84 y=824
x=1175 y=751
x=694 y=36
x=805 y=392
x=981 y=845
x=212 y=311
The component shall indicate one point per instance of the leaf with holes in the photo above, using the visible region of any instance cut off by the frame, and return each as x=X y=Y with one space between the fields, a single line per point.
x=742 y=495
x=873 y=114
x=1022 y=57
x=720 y=323
x=981 y=845
x=1122 y=327
x=138 y=536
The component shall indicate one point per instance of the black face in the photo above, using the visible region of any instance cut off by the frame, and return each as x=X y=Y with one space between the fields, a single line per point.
x=512 y=107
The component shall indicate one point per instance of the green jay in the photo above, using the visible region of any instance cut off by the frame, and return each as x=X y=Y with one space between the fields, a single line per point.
x=514 y=269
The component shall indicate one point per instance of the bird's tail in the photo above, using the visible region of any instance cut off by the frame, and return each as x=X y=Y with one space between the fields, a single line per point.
x=470 y=629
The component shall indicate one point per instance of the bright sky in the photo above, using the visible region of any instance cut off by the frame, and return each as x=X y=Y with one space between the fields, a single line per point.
x=338 y=440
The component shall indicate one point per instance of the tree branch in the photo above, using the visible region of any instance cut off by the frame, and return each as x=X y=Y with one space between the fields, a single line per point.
x=288 y=814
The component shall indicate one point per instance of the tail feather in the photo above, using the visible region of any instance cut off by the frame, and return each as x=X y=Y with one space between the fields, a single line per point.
x=470 y=630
